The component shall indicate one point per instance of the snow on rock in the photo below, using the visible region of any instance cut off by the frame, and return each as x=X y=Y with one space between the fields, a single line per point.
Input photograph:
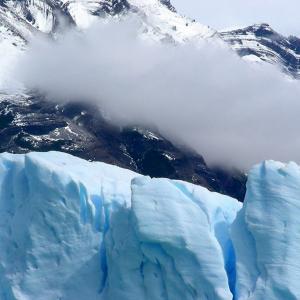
x=161 y=23
x=260 y=43
x=84 y=13
x=158 y=19
x=266 y=234
x=71 y=229
x=38 y=13
x=21 y=20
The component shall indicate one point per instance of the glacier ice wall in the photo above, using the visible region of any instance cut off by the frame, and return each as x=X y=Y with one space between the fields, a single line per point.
x=266 y=234
x=51 y=224
x=171 y=244
x=72 y=229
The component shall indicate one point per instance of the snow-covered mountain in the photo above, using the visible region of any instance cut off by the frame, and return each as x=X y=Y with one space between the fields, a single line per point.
x=72 y=229
x=159 y=21
x=29 y=124
x=261 y=43
x=158 y=18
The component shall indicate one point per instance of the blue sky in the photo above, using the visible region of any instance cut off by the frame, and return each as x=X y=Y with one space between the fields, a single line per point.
x=282 y=15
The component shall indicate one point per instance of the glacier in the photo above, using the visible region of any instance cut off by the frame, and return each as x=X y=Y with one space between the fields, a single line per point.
x=266 y=236
x=73 y=229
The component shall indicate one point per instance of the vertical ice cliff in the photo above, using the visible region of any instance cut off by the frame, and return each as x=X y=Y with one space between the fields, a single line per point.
x=71 y=229
x=52 y=209
x=266 y=234
x=172 y=244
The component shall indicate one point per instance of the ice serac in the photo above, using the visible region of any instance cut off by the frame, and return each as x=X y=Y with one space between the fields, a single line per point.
x=52 y=223
x=266 y=234
x=172 y=244
x=71 y=229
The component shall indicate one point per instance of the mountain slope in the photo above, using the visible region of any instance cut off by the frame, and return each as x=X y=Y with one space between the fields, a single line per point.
x=162 y=23
x=158 y=18
x=33 y=124
x=262 y=44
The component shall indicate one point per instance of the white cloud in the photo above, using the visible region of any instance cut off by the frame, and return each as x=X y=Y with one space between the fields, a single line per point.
x=281 y=15
x=206 y=97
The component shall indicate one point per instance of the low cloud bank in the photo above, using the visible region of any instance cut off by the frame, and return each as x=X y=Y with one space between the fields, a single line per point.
x=203 y=96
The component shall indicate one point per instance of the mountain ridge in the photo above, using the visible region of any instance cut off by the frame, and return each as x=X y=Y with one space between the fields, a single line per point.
x=259 y=42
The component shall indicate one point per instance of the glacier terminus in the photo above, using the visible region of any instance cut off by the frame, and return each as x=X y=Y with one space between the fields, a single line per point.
x=73 y=229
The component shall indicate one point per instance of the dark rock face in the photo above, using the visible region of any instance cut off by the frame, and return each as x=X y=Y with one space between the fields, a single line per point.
x=268 y=45
x=111 y=7
x=168 y=4
x=33 y=124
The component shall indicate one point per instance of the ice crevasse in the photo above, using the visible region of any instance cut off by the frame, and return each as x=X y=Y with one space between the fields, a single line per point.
x=72 y=229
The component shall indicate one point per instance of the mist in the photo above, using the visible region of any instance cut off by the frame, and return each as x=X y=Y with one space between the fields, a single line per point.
x=199 y=95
